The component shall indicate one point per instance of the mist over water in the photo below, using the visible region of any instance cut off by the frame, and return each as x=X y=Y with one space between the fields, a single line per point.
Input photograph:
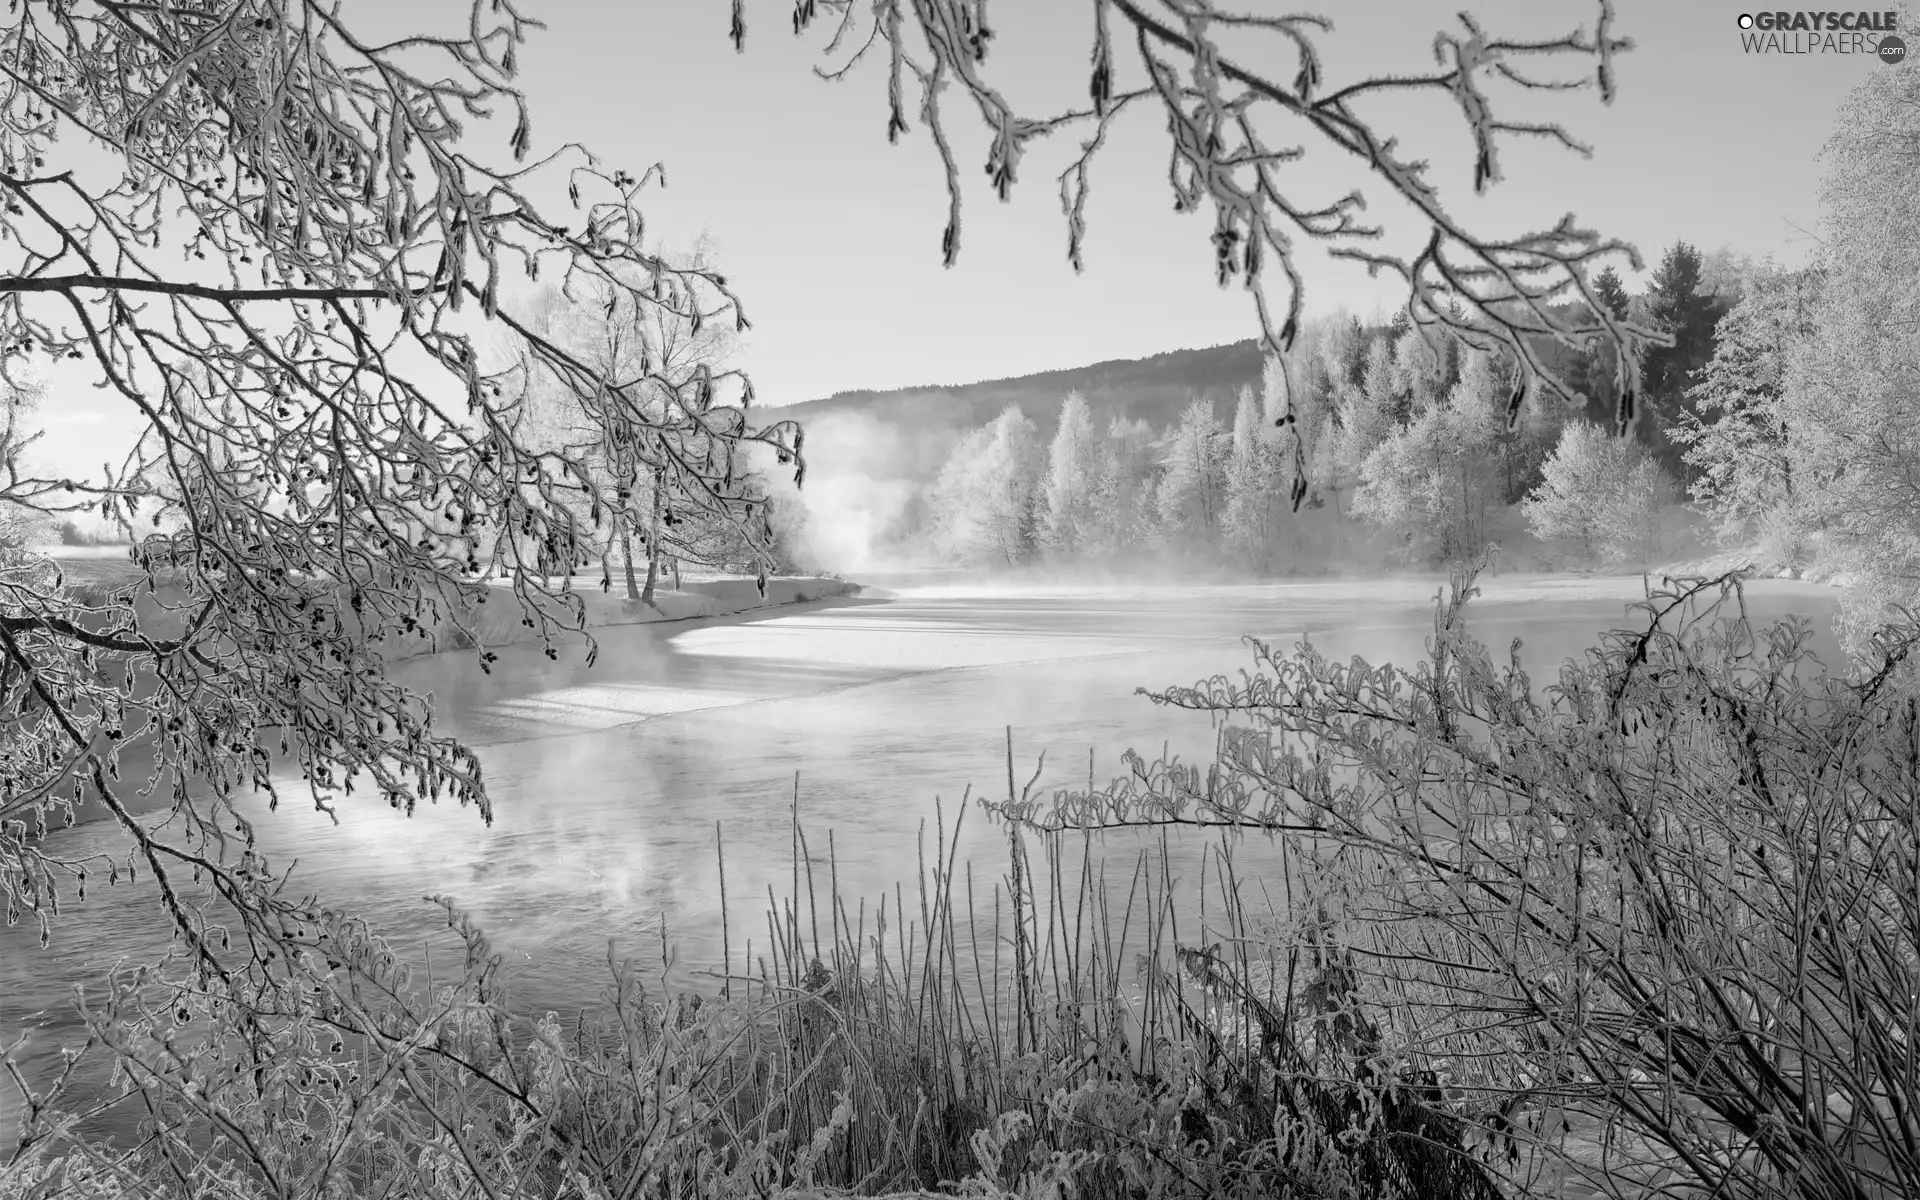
x=863 y=478
x=608 y=781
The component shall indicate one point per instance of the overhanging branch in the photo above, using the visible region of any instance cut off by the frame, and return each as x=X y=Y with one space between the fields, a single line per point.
x=79 y=633
x=110 y=283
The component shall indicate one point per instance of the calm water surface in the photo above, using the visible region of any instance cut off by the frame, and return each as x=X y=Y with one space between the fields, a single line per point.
x=608 y=782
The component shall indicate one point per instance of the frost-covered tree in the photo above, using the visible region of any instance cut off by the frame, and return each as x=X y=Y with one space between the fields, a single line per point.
x=1336 y=355
x=601 y=325
x=1524 y=447
x=1851 y=400
x=1011 y=469
x=952 y=499
x=1432 y=482
x=1068 y=521
x=1737 y=439
x=1611 y=500
x=1642 y=517
x=1124 y=488
x=984 y=502
x=1585 y=470
x=1333 y=368
x=1191 y=495
x=20 y=398
x=1259 y=479
x=1366 y=415
x=1724 y=274
x=1211 y=79
x=1423 y=370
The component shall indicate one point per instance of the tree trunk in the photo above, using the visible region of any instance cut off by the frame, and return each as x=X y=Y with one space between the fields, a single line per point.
x=1466 y=517
x=626 y=554
x=1266 y=538
x=653 y=544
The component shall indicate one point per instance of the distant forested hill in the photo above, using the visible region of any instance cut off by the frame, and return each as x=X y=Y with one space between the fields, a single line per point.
x=907 y=433
x=872 y=455
x=912 y=430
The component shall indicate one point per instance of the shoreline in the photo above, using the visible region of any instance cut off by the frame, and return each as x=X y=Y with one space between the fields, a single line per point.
x=503 y=625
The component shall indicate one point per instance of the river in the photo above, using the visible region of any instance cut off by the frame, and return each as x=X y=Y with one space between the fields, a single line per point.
x=609 y=782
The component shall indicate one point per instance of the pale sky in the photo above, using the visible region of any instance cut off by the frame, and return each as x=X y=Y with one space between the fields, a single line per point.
x=832 y=237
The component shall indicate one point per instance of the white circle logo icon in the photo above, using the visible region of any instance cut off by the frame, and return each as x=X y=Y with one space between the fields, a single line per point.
x=1746 y=20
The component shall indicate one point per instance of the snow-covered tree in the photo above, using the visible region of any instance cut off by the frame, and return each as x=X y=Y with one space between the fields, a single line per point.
x=1068 y=522
x=1642 y=515
x=1523 y=449
x=1422 y=369
x=1335 y=355
x=1585 y=469
x=1725 y=273
x=1366 y=415
x=1258 y=476
x=1852 y=394
x=1334 y=362
x=1611 y=499
x=1123 y=488
x=20 y=398
x=1011 y=471
x=1740 y=441
x=983 y=504
x=1263 y=473
x=597 y=324
x=1191 y=495
x=1432 y=482
x=950 y=501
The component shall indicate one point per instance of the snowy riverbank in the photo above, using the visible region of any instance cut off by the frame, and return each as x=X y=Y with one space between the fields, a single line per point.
x=503 y=621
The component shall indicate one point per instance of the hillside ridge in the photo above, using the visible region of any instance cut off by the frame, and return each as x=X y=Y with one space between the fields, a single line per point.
x=906 y=433
x=1048 y=377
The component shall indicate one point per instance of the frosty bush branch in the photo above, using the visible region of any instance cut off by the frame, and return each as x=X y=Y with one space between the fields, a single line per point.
x=292 y=272
x=1676 y=890
x=1223 y=119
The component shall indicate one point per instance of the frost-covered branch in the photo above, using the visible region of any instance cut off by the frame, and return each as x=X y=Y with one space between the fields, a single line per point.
x=294 y=283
